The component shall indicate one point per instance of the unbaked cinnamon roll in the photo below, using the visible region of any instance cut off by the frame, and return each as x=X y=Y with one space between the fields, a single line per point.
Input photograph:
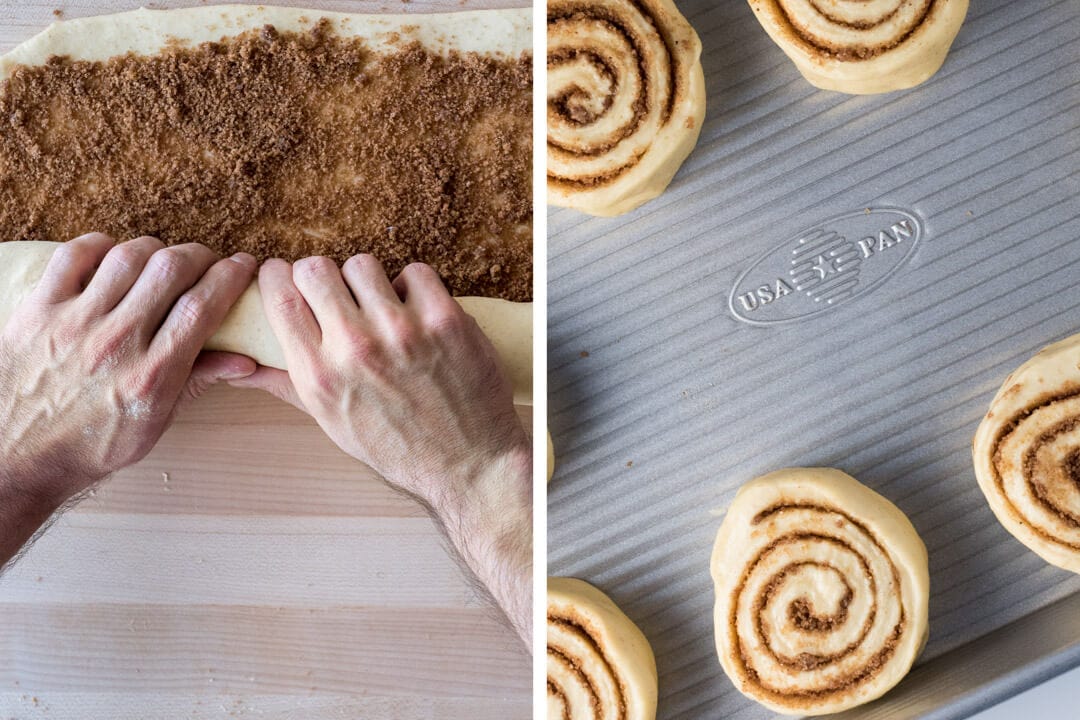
x=863 y=46
x=822 y=589
x=1027 y=454
x=599 y=665
x=626 y=99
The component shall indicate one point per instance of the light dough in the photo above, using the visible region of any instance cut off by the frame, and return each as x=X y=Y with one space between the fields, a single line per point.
x=247 y=331
x=863 y=46
x=599 y=664
x=550 y=457
x=1027 y=454
x=146 y=32
x=822 y=590
x=626 y=100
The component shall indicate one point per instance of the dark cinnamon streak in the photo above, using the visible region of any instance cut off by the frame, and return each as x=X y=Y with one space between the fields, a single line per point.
x=1072 y=464
x=855 y=53
x=585 y=679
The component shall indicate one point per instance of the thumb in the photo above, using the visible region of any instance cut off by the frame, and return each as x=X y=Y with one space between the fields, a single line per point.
x=271 y=380
x=213 y=367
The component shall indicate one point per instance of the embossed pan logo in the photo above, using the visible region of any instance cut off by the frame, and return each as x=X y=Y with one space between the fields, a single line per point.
x=825 y=265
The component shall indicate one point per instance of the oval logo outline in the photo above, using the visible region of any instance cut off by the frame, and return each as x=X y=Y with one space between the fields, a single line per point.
x=828 y=235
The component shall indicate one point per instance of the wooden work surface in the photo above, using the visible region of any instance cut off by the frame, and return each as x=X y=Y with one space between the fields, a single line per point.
x=248 y=568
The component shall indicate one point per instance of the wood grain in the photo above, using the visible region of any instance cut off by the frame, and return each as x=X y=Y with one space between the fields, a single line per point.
x=248 y=568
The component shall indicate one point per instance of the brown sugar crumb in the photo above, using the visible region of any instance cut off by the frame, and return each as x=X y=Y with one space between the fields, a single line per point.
x=58 y=13
x=282 y=145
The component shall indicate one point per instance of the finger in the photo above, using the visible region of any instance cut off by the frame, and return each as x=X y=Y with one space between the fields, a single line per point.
x=367 y=280
x=71 y=267
x=287 y=311
x=213 y=367
x=423 y=291
x=421 y=288
x=168 y=274
x=274 y=381
x=199 y=312
x=319 y=281
x=118 y=272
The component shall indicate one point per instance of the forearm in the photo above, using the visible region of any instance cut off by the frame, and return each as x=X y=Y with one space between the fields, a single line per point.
x=490 y=526
x=26 y=503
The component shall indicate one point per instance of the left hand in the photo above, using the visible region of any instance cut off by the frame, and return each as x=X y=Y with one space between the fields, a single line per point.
x=95 y=362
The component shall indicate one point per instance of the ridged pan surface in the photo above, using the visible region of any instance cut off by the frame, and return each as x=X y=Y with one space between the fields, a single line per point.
x=830 y=280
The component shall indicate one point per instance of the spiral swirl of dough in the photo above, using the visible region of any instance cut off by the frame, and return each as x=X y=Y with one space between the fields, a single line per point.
x=821 y=592
x=863 y=46
x=855 y=29
x=625 y=101
x=1027 y=454
x=599 y=665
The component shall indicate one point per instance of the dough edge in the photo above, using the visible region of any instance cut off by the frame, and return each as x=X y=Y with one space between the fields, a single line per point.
x=622 y=641
x=1054 y=366
x=505 y=32
x=911 y=63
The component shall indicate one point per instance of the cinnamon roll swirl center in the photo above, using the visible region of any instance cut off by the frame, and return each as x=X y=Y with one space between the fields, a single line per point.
x=818 y=608
x=613 y=81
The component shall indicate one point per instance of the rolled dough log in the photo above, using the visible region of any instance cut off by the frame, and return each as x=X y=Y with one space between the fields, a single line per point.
x=247 y=331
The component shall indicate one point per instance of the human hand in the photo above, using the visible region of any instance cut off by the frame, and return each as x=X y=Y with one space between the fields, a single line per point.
x=401 y=378
x=95 y=362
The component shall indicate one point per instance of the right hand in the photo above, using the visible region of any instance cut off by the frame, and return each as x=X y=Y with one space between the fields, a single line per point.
x=397 y=374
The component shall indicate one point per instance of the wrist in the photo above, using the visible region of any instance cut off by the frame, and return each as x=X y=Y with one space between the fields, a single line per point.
x=40 y=484
x=490 y=487
x=26 y=504
x=491 y=528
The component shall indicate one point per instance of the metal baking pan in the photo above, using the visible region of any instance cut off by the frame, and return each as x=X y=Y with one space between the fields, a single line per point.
x=667 y=391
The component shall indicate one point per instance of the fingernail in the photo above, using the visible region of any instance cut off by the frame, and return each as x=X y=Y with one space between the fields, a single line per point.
x=244 y=259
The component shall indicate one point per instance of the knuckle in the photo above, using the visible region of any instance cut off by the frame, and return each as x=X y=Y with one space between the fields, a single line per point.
x=126 y=256
x=324 y=384
x=316 y=266
x=149 y=240
x=111 y=350
x=288 y=303
x=167 y=262
x=359 y=262
x=401 y=332
x=363 y=351
x=191 y=308
x=146 y=386
x=444 y=322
